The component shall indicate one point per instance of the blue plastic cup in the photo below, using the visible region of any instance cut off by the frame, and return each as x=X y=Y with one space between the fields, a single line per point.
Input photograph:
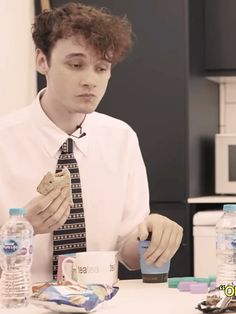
x=152 y=273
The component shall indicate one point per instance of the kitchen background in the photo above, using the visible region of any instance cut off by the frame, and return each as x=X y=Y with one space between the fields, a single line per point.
x=227 y=103
x=177 y=90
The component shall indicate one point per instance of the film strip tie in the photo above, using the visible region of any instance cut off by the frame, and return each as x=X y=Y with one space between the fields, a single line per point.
x=71 y=237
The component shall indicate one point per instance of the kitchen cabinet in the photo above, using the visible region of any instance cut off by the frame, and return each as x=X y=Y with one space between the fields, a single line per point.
x=220 y=26
x=161 y=91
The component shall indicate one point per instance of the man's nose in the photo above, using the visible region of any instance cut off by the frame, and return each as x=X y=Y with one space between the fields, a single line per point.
x=89 y=80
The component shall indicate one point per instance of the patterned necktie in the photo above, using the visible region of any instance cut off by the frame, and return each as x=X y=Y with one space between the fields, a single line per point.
x=71 y=237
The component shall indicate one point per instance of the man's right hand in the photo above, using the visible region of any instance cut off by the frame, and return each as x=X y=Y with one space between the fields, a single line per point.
x=48 y=213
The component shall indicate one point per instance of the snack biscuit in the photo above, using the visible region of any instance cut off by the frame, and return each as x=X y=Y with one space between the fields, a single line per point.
x=59 y=180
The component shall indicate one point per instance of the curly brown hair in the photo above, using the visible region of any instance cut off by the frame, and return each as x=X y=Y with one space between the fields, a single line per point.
x=110 y=35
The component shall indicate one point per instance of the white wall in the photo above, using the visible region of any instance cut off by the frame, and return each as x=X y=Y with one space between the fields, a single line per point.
x=17 y=69
x=228 y=106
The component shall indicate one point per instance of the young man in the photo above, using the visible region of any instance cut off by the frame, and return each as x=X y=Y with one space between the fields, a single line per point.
x=76 y=47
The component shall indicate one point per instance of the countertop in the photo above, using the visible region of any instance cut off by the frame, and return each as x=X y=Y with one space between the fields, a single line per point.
x=136 y=297
x=213 y=199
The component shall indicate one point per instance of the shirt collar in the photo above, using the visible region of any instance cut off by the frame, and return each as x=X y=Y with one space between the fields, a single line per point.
x=54 y=137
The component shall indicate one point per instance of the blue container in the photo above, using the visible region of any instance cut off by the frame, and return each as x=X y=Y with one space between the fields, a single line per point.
x=152 y=273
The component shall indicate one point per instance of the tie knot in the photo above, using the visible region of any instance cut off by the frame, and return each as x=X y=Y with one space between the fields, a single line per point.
x=67 y=146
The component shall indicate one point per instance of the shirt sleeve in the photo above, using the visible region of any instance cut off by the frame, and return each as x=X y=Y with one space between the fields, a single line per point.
x=136 y=204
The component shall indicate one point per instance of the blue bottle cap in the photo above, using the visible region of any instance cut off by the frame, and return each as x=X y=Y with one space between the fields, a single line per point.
x=229 y=207
x=17 y=211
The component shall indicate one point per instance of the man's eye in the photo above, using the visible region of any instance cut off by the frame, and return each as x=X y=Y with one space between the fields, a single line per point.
x=102 y=69
x=75 y=65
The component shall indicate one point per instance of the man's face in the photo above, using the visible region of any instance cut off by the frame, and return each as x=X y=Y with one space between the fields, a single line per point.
x=77 y=76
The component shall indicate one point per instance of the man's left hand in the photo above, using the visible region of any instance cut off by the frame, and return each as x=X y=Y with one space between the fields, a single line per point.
x=166 y=238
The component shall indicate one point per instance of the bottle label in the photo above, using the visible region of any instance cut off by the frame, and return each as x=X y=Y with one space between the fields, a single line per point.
x=11 y=246
x=227 y=241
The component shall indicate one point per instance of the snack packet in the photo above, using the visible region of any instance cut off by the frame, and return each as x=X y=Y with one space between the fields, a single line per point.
x=218 y=302
x=71 y=298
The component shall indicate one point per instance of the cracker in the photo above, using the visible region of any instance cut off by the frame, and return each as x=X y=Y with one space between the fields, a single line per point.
x=59 y=180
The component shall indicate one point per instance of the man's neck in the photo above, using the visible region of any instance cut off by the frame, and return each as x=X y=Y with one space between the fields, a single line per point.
x=65 y=121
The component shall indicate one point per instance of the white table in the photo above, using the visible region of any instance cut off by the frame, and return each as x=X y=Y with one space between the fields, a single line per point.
x=136 y=297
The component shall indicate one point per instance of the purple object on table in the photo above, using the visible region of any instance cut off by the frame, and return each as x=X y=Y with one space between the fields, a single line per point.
x=213 y=285
x=185 y=285
x=199 y=287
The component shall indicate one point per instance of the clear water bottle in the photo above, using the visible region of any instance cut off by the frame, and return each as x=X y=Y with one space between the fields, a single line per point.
x=226 y=246
x=15 y=259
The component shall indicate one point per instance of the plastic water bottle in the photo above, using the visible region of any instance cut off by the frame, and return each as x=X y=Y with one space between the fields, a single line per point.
x=15 y=259
x=226 y=246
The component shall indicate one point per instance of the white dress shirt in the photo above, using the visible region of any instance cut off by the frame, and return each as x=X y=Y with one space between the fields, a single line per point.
x=113 y=176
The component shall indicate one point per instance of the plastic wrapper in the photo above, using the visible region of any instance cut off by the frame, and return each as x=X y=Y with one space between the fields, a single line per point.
x=71 y=298
x=218 y=302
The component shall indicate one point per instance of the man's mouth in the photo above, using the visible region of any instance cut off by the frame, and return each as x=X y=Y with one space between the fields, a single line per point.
x=86 y=95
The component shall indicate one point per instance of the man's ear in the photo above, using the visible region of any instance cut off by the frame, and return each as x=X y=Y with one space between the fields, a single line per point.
x=41 y=62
